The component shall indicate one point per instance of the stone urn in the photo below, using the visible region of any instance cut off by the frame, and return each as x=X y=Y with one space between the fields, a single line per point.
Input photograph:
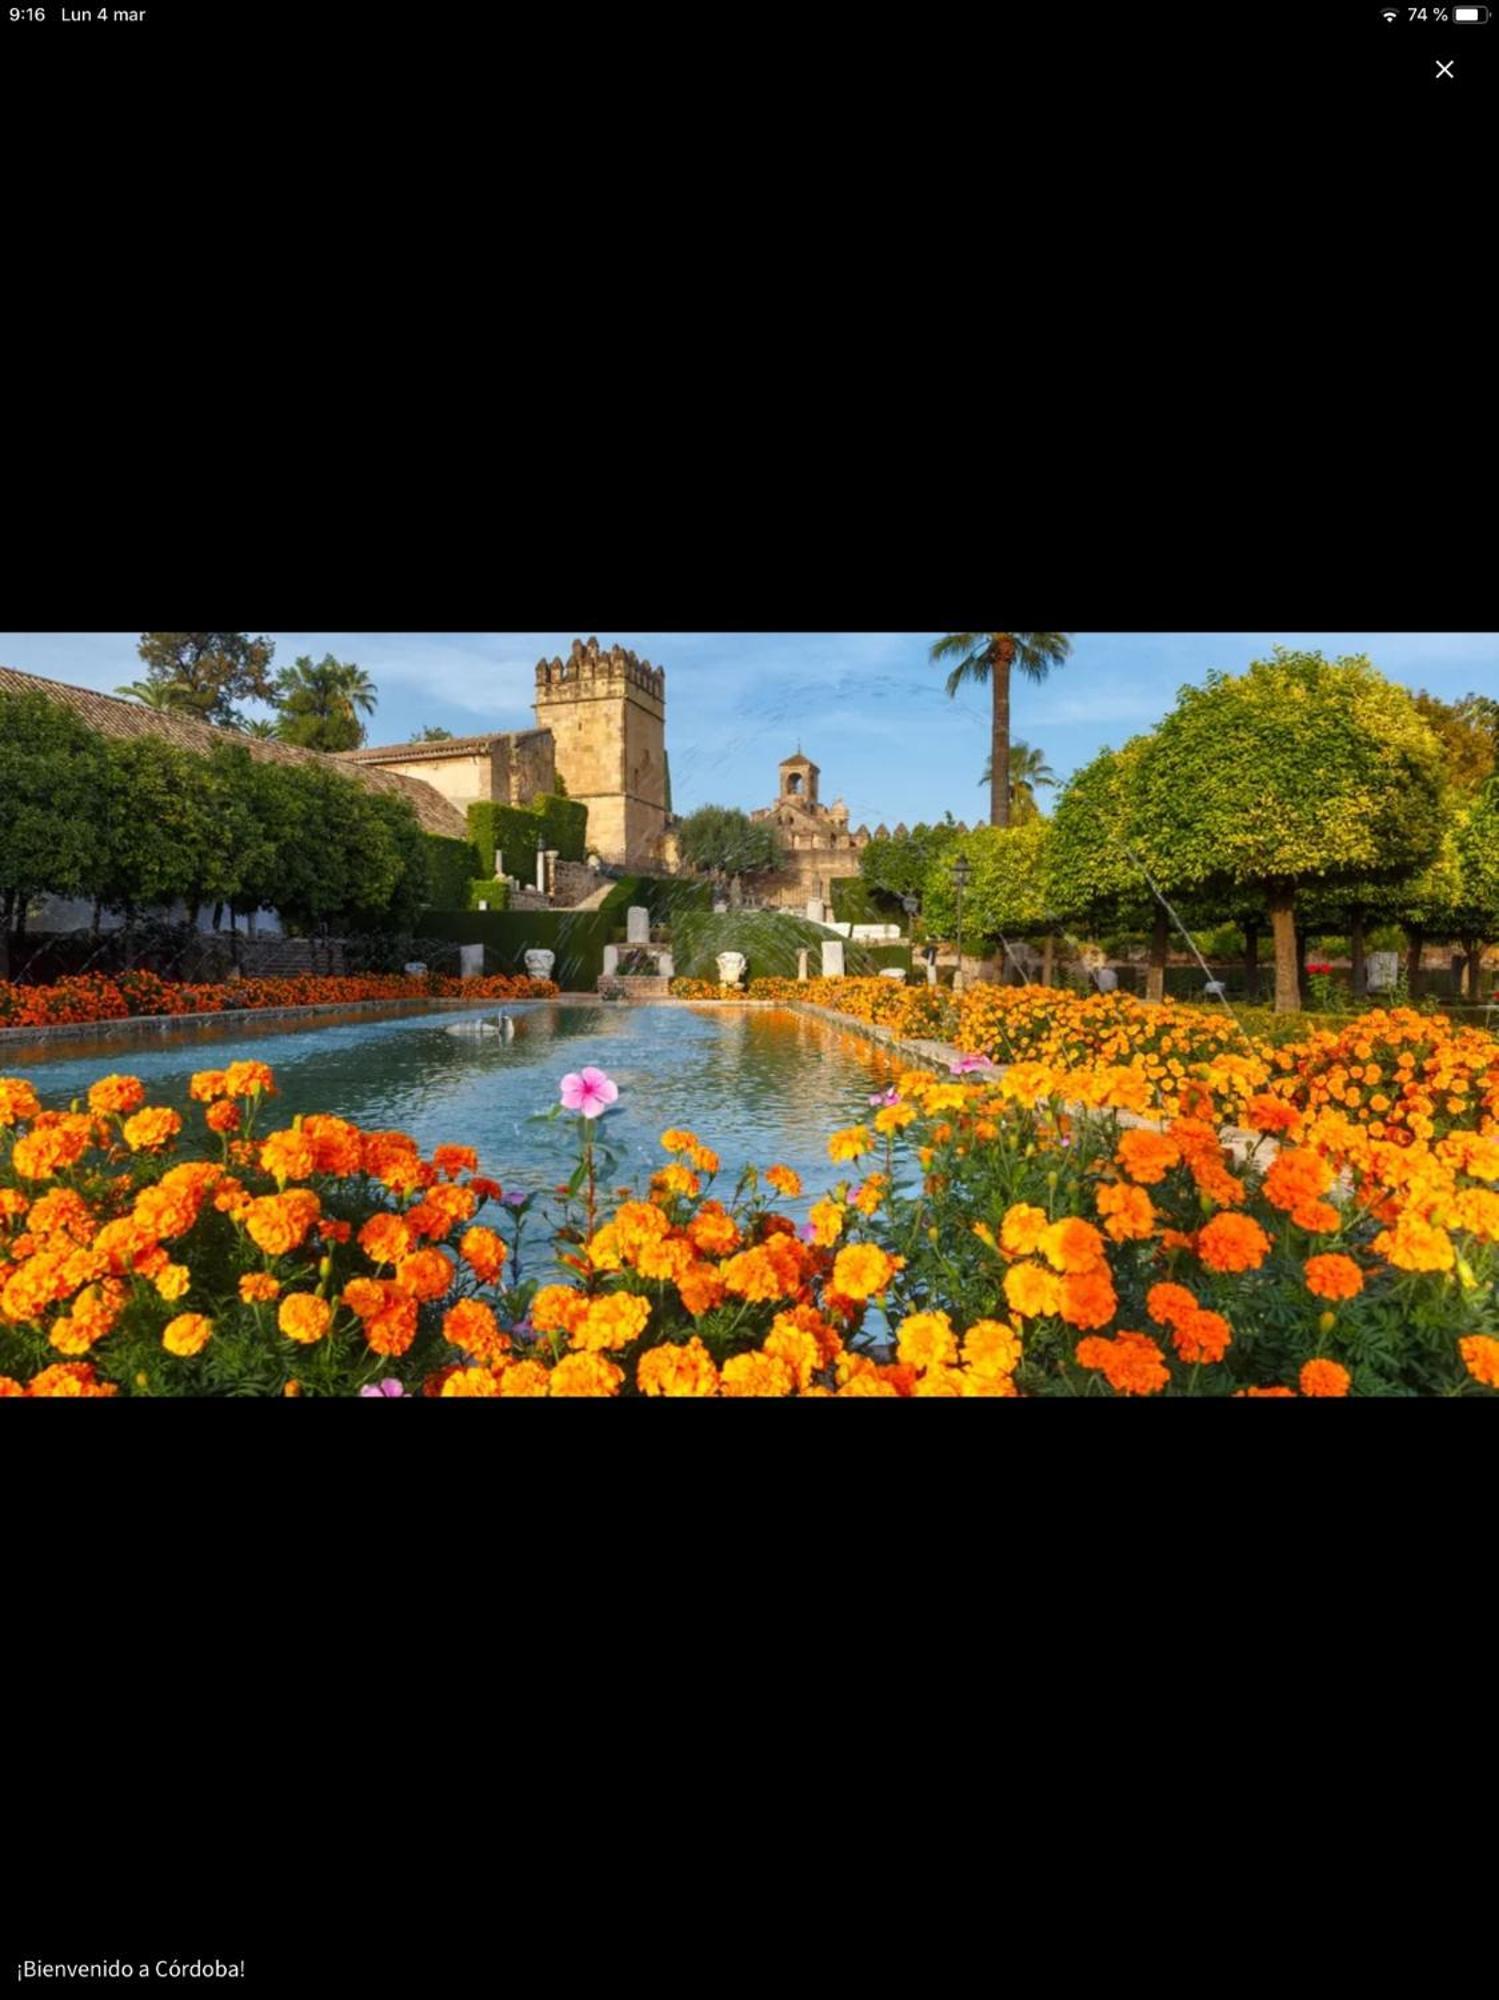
x=731 y=967
x=539 y=964
x=415 y=967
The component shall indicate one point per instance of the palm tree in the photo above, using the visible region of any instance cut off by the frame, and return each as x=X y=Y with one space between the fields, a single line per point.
x=321 y=704
x=984 y=656
x=1028 y=769
x=167 y=697
x=260 y=728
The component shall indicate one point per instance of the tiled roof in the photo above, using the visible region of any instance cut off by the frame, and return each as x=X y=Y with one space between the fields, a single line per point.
x=112 y=716
x=441 y=746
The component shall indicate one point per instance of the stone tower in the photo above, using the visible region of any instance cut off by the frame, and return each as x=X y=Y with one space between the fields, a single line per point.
x=799 y=777
x=606 y=711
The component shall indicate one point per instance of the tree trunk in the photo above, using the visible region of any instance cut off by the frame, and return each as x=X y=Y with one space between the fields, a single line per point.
x=6 y=906
x=1474 y=948
x=98 y=917
x=1046 y=959
x=1283 y=928
x=218 y=916
x=1155 y=978
x=1415 y=937
x=129 y=936
x=1357 y=971
x=1303 y=942
x=999 y=741
x=22 y=899
x=1251 y=963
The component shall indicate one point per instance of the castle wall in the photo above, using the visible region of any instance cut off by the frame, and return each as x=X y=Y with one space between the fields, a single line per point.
x=461 y=779
x=606 y=712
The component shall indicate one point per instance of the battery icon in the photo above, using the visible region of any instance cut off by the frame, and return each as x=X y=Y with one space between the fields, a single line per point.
x=1470 y=13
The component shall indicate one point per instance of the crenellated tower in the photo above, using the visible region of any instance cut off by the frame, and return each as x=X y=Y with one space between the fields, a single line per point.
x=606 y=711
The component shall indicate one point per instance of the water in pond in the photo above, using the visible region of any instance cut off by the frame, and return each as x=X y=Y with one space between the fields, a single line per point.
x=756 y=1085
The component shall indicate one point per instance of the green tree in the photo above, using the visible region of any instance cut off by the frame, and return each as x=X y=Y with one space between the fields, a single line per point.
x=1300 y=771
x=321 y=703
x=432 y=734
x=260 y=728
x=1093 y=880
x=1468 y=731
x=896 y=865
x=1476 y=832
x=1005 y=898
x=156 y=839
x=1029 y=771
x=992 y=657
x=51 y=776
x=206 y=673
x=166 y=697
x=722 y=840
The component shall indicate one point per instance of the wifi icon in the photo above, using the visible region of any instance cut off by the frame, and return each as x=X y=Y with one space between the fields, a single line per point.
x=1391 y=14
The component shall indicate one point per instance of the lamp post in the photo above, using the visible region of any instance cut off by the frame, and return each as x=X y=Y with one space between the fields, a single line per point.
x=962 y=875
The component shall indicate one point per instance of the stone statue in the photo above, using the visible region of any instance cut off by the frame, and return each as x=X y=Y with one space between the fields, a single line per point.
x=731 y=967
x=539 y=964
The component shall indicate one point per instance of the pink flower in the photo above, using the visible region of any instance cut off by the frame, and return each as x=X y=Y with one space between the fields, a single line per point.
x=966 y=1063
x=588 y=1091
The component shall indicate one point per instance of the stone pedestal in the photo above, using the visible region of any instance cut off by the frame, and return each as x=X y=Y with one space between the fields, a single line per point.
x=611 y=960
x=666 y=965
x=415 y=967
x=832 y=958
x=471 y=961
x=801 y=963
x=637 y=925
x=731 y=967
x=814 y=909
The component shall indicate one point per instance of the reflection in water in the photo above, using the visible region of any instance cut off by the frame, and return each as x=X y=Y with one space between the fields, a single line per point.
x=756 y=1085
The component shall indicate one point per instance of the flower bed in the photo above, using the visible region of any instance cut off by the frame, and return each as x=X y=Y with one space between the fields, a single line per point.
x=92 y=997
x=981 y=1240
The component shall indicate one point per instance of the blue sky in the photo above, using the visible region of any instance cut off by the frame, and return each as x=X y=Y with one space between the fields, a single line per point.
x=868 y=707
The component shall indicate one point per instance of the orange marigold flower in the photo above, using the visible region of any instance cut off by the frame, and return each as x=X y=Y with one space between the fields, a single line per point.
x=157 y=1126
x=757 y=1275
x=785 y=1181
x=1273 y=1390
x=224 y=1116
x=705 y=1159
x=677 y=1139
x=807 y=1319
x=1129 y=1211
x=1147 y=1156
x=1265 y=1113
x=1296 y=1175
x=1032 y=1290
x=186 y=1335
x=206 y=1085
x=585 y=1375
x=1414 y=1245
x=826 y=1218
x=1325 y=1378
x=1131 y=1364
x=991 y=1348
x=364 y=1296
x=425 y=1274
x=1201 y=1336
x=18 y=1101
x=677 y=1371
x=756 y=1375
x=667 y=1259
x=525 y=1378
x=69 y=1378
x=892 y=1118
x=713 y=1231
x=851 y=1143
x=258 y=1287
x=1318 y=1218
x=117 y=1093
x=173 y=1281
x=304 y=1317
x=248 y=1079
x=287 y=1156
x=335 y=1144
x=385 y=1239
x=393 y=1328
x=1334 y=1277
x=676 y=1179
x=1232 y=1242
x=1022 y=1229
x=794 y=1345
x=483 y=1251
x=611 y=1322
x=451 y=1160
x=1088 y=1298
x=1480 y=1352
x=60 y=1213
x=1071 y=1245
x=1168 y=1305
x=699 y=1287
x=472 y=1382
x=557 y=1309
x=471 y=1326
x=926 y=1340
x=278 y=1223
x=863 y=1270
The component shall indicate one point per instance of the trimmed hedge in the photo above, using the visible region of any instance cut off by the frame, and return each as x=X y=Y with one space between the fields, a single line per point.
x=577 y=937
x=667 y=897
x=495 y=894
x=513 y=831
x=451 y=866
x=855 y=902
x=770 y=940
x=566 y=823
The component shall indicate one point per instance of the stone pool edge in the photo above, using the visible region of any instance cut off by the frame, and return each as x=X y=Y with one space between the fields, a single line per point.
x=233 y=1017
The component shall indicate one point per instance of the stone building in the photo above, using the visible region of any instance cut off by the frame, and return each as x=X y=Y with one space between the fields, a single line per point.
x=600 y=728
x=818 y=844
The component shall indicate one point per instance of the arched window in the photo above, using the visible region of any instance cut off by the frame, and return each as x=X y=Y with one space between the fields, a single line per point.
x=794 y=784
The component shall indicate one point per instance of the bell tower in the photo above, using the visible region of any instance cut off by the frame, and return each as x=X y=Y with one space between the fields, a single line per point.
x=606 y=711
x=799 y=777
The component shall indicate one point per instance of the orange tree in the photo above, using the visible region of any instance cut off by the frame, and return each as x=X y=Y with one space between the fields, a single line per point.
x=1092 y=877
x=1300 y=771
